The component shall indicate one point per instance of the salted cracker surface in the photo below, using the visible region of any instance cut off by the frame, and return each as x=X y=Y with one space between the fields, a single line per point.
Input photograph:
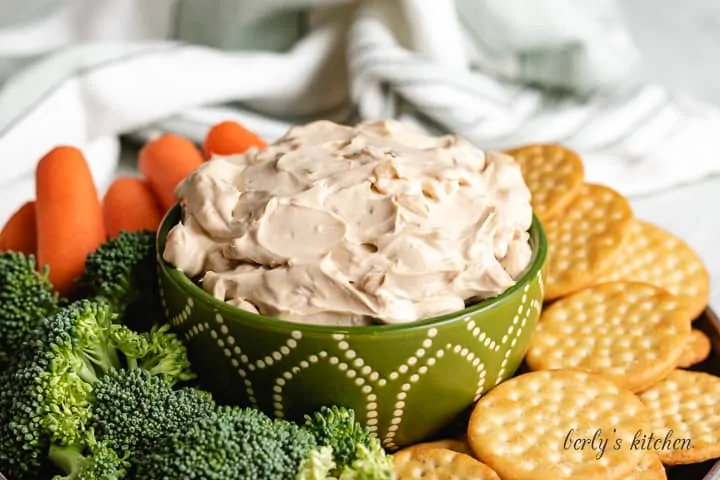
x=649 y=468
x=541 y=425
x=686 y=405
x=553 y=173
x=632 y=333
x=653 y=255
x=453 y=444
x=584 y=239
x=432 y=463
x=697 y=348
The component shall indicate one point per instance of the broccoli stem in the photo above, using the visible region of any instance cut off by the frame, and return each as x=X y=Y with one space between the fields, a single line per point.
x=131 y=363
x=87 y=371
x=166 y=366
x=108 y=357
x=102 y=356
x=68 y=458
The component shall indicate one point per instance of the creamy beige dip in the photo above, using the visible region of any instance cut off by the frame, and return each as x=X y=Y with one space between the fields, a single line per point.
x=344 y=225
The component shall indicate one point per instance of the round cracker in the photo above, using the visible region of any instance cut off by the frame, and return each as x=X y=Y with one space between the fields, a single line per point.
x=583 y=241
x=685 y=405
x=450 y=444
x=697 y=348
x=522 y=427
x=649 y=468
x=653 y=255
x=631 y=333
x=553 y=173
x=432 y=463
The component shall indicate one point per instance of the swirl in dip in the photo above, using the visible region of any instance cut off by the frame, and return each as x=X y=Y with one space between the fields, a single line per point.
x=342 y=225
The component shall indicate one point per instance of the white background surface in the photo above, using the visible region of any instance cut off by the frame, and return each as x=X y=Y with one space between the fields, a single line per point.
x=682 y=50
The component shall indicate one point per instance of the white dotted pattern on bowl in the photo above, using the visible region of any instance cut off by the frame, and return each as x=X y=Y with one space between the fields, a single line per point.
x=356 y=368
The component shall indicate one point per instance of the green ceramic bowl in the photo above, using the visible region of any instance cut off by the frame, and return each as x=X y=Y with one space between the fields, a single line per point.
x=406 y=382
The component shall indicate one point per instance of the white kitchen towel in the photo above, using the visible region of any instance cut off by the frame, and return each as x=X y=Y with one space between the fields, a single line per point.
x=83 y=72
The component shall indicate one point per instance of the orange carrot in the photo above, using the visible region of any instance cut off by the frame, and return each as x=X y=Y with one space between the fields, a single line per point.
x=165 y=162
x=68 y=215
x=228 y=138
x=19 y=233
x=129 y=205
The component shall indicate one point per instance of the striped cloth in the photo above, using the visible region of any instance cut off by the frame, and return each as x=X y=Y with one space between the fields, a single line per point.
x=85 y=72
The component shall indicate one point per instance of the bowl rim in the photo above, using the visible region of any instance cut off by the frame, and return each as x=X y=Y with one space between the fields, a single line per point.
x=236 y=315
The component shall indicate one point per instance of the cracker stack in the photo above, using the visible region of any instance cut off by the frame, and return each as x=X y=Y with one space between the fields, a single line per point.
x=608 y=395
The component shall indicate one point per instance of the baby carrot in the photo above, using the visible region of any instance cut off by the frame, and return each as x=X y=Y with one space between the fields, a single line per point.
x=68 y=215
x=227 y=138
x=165 y=162
x=19 y=233
x=129 y=205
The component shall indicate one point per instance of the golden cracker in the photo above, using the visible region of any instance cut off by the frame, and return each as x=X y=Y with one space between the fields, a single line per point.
x=697 y=348
x=649 y=468
x=522 y=427
x=432 y=463
x=584 y=239
x=631 y=333
x=553 y=173
x=655 y=256
x=450 y=444
x=686 y=405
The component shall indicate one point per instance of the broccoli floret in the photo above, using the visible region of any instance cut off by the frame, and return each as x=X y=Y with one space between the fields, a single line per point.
x=371 y=463
x=158 y=351
x=26 y=298
x=132 y=409
x=48 y=388
x=124 y=271
x=319 y=465
x=233 y=444
x=357 y=455
x=90 y=460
